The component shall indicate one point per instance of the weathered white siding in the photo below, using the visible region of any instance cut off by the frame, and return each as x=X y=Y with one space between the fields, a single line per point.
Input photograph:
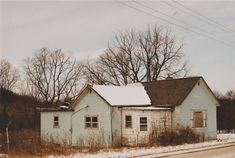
x=109 y=119
x=199 y=99
x=116 y=126
x=175 y=116
x=96 y=107
x=157 y=120
x=59 y=134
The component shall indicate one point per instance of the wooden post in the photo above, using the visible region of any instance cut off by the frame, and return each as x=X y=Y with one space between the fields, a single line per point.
x=8 y=145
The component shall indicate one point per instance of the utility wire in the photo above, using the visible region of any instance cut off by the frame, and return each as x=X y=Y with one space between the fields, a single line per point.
x=195 y=16
x=180 y=26
x=206 y=19
x=203 y=30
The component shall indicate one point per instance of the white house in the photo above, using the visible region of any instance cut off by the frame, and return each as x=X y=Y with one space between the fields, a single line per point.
x=126 y=115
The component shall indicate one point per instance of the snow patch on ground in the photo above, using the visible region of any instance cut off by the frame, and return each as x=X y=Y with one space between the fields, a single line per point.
x=3 y=156
x=137 y=152
x=226 y=136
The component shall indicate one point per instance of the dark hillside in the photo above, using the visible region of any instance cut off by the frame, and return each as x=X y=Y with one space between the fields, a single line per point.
x=19 y=110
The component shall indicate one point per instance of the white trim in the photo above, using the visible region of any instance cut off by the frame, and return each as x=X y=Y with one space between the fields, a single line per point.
x=147 y=120
x=56 y=121
x=91 y=128
x=204 y=113
x=146 y=108
x=129 y=121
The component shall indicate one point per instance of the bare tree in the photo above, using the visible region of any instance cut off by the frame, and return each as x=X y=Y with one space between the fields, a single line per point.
x=52 y=75
x=8 y=75
x=138 y=56
x=230 y=95
x=8 y=78
x=218 y=94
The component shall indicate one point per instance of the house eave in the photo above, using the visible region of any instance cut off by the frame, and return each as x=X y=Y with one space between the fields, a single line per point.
x=54 y=110
x=149 y=108
x=121 y=106
x=148 y=105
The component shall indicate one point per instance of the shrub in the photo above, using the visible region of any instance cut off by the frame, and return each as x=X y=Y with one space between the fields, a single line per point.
x=187 y=135
x=177 y=137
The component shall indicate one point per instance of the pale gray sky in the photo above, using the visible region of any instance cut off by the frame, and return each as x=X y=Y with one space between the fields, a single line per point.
x=84 y=28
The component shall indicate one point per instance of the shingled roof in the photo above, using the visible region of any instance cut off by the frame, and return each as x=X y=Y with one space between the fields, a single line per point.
x=170 y=91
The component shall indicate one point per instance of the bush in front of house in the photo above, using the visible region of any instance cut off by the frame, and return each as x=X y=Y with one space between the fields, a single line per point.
x=178 y=137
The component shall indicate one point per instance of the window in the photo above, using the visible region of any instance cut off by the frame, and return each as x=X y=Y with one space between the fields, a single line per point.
x=143 y=124
x=128 y=121
x=199 y=119
x=91 y=122
x=56 y=121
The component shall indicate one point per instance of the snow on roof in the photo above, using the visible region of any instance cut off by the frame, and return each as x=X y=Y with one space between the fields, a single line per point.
x=123 y=95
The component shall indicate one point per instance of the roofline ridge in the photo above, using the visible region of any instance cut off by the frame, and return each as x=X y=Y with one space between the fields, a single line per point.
x=173 y=79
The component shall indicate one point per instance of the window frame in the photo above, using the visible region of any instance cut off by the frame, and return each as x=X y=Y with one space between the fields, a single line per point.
x=145 y=124
x=91 y=122
x=204 y=118
x=56 y=123
x=130 y=121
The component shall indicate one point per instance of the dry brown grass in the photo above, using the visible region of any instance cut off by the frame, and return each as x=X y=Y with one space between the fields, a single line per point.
x=28 y=144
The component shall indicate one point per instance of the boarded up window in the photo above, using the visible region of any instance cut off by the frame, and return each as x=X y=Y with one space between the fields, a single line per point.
x=143 y=124
x=128 y=121
x=56 y=121
x=199 y=119
x=91 y=122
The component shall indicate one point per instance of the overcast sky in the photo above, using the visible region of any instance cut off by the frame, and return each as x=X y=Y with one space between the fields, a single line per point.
x=84 y=28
